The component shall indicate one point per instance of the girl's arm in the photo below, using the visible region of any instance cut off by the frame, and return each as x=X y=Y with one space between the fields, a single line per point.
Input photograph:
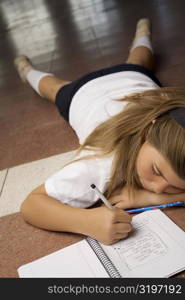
x=165 y=198
x=121 y=200
x=103 y=224
x=45 y=212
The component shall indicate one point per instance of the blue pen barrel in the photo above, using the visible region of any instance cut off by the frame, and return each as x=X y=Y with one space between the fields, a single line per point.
x=142 y=209
x=178 y=203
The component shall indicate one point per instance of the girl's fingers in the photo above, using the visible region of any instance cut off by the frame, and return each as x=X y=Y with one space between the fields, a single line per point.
x=123 y=228
x=120 y=236
x=120 y=205
x=122 y=217
x=116 y=199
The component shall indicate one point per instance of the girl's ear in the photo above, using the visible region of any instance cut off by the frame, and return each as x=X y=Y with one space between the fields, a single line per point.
x=153 y=121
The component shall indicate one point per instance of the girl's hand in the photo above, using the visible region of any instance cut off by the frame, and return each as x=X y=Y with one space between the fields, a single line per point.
x=108 y=226
x=120 y=198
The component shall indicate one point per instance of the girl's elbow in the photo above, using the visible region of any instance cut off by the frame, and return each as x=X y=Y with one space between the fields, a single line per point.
x=25 y=209
x=22 y=209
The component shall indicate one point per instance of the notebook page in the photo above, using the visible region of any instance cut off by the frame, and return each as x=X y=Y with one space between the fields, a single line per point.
x=154 y=249
x=77 y=260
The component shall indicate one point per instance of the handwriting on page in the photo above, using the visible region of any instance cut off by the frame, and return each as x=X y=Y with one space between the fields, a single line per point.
x=142 y=246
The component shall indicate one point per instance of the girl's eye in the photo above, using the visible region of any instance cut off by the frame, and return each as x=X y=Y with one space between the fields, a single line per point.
x=154 y=172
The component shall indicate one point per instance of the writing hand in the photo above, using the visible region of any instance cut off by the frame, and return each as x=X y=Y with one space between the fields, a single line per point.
x=109 y=226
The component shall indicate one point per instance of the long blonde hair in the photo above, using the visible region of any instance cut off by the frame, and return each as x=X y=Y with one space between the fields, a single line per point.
x=123 y=135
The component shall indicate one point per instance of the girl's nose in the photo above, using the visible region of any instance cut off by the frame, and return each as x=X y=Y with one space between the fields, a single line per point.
x=160 y=187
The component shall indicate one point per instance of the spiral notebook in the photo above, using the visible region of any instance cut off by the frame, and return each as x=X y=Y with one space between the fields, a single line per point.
x=155 y=248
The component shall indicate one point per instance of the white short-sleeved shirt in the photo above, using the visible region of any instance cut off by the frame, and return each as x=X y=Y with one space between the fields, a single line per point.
x=93 y=104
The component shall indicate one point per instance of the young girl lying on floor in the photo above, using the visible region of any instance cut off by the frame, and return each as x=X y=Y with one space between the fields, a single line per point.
x=132 y=136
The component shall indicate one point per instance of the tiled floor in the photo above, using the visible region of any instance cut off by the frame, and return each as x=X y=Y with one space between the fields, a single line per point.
x=68 y=38
x=17 y=182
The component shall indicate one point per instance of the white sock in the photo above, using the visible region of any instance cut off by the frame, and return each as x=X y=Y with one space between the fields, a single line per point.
x=142 y=41
x=34 y=77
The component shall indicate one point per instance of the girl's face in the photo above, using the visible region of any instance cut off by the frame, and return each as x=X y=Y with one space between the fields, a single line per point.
x=155 y=173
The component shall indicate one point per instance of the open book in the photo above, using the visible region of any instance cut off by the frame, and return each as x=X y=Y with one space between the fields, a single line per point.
x=155 y=248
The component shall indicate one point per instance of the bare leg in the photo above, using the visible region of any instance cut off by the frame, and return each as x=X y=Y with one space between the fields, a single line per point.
x=50 y=85
x=141 y=54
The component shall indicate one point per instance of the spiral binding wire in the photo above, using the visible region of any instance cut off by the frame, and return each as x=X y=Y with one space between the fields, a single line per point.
x=103 y=258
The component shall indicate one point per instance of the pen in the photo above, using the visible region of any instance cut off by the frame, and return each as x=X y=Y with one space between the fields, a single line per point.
x=172 y=204
x=135 y=210
x=102 y=197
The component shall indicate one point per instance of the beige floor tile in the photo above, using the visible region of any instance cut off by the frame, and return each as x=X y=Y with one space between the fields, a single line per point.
x=21 y=180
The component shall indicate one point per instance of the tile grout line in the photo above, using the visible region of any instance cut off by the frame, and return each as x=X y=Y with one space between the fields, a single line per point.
x=4 y=182
x=51 y=61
